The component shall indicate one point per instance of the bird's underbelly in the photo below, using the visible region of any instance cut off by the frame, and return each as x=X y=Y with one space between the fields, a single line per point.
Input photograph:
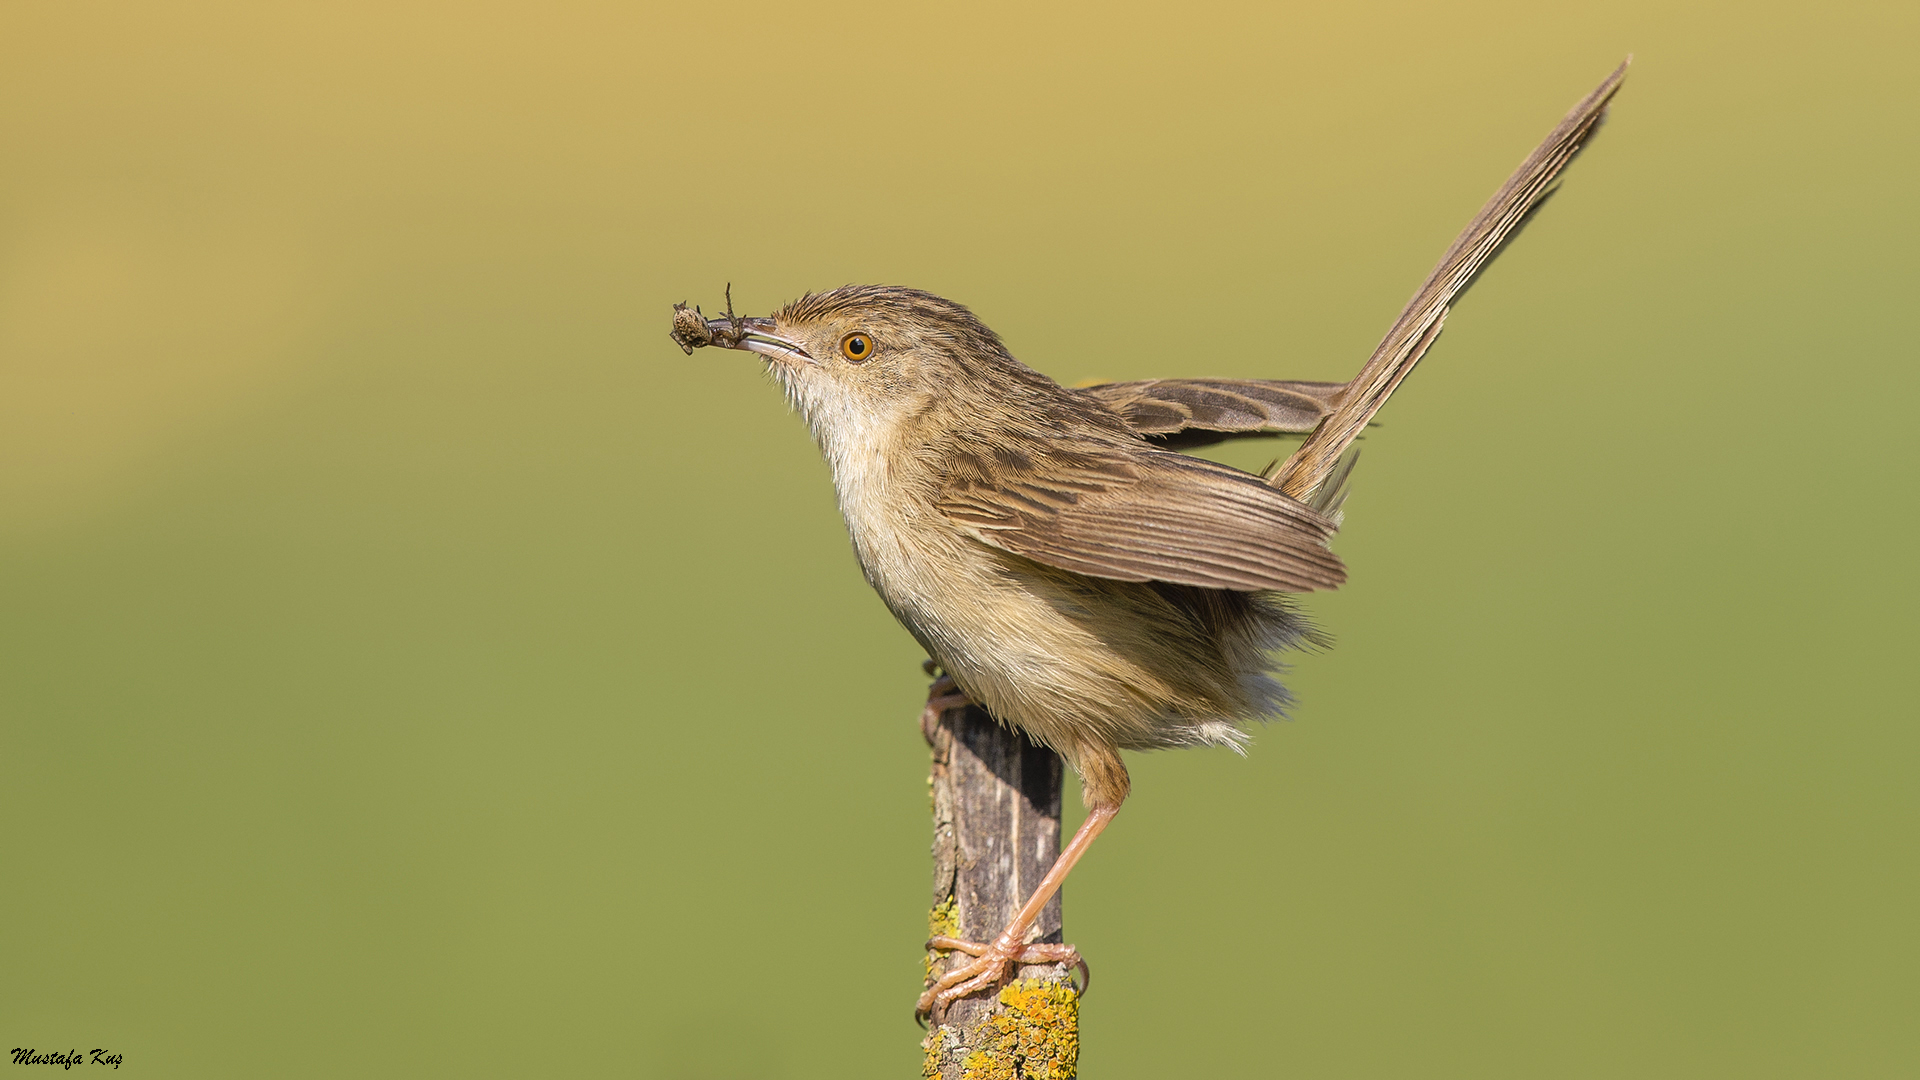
x=1068 y=661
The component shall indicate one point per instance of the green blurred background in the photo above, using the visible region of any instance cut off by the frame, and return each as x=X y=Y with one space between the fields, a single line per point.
x=412 y=665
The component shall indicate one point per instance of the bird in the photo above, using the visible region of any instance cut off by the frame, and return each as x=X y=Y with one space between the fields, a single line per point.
x=1061 y=560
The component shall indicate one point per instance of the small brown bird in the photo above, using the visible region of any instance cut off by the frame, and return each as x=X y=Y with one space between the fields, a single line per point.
x=1064 y=566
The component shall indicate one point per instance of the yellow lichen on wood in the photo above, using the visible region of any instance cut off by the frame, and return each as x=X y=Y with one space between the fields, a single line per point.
x=942 y=921
x=1035 y=1036
x=939 y=1044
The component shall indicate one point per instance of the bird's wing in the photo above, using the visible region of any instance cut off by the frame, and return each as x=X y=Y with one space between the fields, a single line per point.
x=1227 y=407
x=1145 y=515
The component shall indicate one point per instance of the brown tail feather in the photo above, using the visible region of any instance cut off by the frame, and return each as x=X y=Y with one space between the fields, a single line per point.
x=1420 y=323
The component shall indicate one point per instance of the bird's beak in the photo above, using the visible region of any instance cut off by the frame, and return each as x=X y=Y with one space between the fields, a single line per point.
x=759 y=337
x=691 y=331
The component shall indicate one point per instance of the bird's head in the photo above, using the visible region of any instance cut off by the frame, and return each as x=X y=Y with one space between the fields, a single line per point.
x=861 y=358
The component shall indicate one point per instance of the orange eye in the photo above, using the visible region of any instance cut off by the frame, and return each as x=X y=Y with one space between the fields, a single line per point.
x=856 y=347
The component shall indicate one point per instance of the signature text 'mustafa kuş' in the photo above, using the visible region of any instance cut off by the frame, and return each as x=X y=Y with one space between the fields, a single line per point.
x=27 y=1055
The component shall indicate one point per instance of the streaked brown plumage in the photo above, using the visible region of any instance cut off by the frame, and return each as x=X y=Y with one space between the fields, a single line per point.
x=1055 y=556
x=1196 y=412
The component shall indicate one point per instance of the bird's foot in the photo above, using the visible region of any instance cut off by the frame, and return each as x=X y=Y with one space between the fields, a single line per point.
x=991 y=966
x=944 y=694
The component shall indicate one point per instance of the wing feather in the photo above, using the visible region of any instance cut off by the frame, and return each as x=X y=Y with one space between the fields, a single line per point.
x=1224 y=407
x=1149 y=515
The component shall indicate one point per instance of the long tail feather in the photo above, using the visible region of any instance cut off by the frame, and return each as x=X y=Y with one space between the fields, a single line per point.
x=1420 y=323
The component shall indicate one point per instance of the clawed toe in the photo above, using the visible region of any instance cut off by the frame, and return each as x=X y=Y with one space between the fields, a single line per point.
x=991 y=966
x=948 y=944
x=944 y=694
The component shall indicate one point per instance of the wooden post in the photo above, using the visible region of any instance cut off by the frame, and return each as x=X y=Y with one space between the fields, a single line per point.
x=996 y=831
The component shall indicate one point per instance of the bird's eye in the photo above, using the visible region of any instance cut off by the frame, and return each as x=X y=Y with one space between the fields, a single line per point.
x=856 y=347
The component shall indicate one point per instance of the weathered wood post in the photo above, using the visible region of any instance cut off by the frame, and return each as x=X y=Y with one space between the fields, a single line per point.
x=996 y=831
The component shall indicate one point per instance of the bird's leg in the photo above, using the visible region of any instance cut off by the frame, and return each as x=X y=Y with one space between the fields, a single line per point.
x=993 y=963
x=944 y=694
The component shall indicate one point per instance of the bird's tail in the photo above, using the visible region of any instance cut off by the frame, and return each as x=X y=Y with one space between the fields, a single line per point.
x=1332 y=493
x=1320 y=456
